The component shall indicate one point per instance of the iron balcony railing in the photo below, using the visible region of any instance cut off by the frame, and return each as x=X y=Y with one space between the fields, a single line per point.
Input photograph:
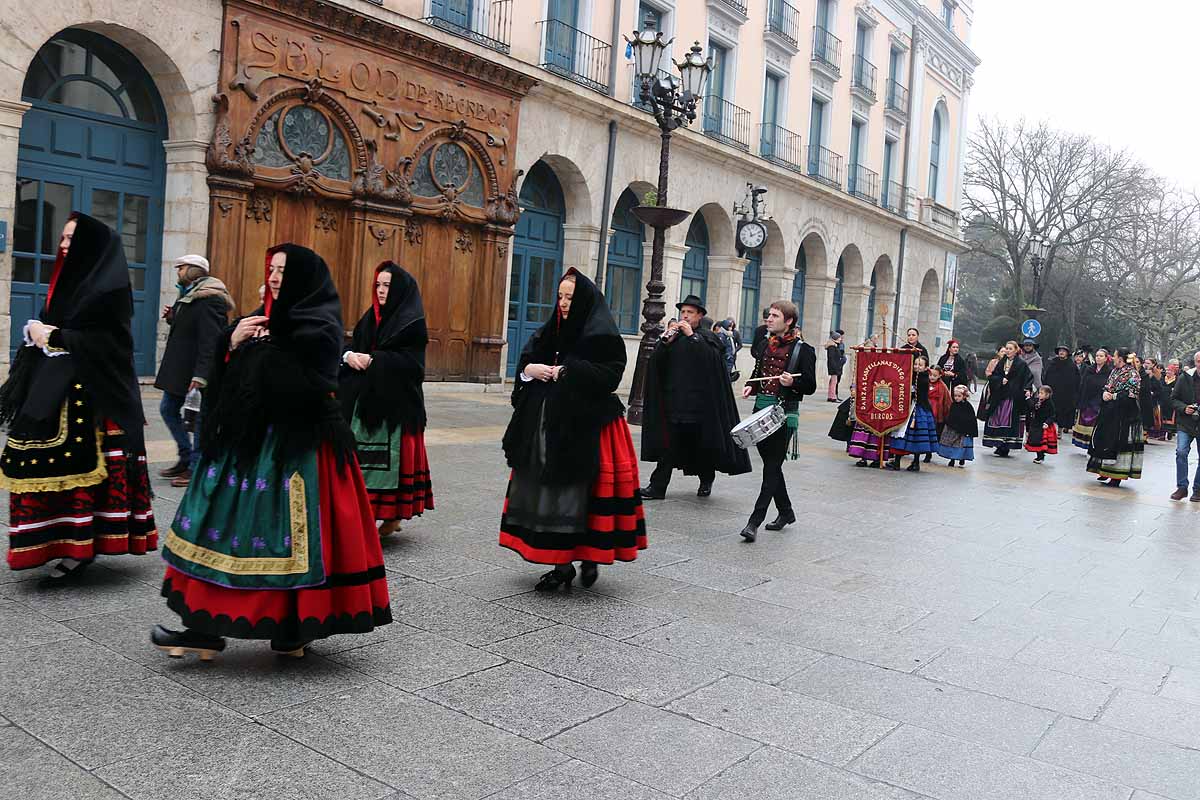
x=780 y=146
x=864 y=77
x=726 y=122
x=488 y=24
x=893 y=196
x=827 y=48
x=736 y=5
x=863 y=183
x=897 y=97
x=636 y=90
x=574 y=55
x=824 y=165
x=783 y=20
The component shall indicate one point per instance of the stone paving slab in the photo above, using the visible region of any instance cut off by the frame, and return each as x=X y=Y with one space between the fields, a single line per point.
x=728 y=648
x=417 y=660
x=31 y=770
x=771 y=774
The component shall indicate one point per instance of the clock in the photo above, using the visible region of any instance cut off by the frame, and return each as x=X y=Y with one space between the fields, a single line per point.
x=752 y=234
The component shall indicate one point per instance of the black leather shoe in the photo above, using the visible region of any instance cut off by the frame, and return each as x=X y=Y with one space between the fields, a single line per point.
x=650 y=493
x=178 y=468
x=178 y=643
x=781 y=521
x=705 y=490
x=588 y=573
x=556 y=578
x=750 y=532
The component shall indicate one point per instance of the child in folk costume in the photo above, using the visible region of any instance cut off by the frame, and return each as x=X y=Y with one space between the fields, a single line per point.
x=939 y=401
x=958 y=434
x=1041 y=435
x=920 y=436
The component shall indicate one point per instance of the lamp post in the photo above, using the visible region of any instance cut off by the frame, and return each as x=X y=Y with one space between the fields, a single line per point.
x=673 y=102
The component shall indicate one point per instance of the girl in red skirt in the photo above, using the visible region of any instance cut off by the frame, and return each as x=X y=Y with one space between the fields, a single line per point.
x=573 y=492
x=75 y=460
x=381 y=397
x=275 y=538
x=1041 y=431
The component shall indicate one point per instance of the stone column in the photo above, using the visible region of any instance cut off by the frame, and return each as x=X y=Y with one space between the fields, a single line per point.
x=775 y=283
x=185 y=218
x=11 y=112
x=725 y=285
x=579 y=248
x=854 y=312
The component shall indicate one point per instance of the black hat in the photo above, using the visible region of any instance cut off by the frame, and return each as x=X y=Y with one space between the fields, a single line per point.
x=692 y=300
x=1030 y=341
x=1063 y=348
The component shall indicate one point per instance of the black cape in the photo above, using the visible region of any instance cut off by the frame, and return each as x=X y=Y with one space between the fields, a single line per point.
x=285 y=380
x=958 y=365
x=395 y=335
x=961 y=419
x=1091 y=386
x=1020 y=380
x=716 y=445
x=1062 y=376
x=581 y=402
x=91 y=304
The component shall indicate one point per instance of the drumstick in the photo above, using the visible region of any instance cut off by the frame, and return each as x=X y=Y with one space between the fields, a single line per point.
x=772 y=378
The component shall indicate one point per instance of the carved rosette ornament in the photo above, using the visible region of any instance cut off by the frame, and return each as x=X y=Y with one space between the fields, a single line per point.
x=223 y=156
x=326 y=220
x=381 y=233
x=258 y=208
x=463 y=241
x=414 y=234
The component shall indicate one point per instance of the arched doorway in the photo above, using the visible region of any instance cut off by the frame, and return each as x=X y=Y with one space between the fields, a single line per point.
x=751 y=289
x=837 y=294
x=871 y=306
x=91 y=142
x=623 y=283
x=537 y=258
x=929 y=306
x=695 y=262
x=799 y=286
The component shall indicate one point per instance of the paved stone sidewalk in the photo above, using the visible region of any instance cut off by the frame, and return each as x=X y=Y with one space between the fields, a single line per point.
x=1003 y=632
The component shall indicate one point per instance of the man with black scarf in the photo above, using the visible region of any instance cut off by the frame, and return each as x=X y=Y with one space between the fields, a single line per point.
x=689 y=406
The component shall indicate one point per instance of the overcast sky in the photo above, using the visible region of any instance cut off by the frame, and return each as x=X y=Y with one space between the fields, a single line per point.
x=1123 y=72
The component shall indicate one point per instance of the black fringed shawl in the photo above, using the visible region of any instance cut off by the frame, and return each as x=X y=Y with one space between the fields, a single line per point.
x=285 y=381
x=91 y=303
x=581 y=402
x=395 y=335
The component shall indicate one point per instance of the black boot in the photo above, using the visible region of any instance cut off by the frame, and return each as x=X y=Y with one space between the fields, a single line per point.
x=784 y=519
x=648 y=492
x=562 y=575
x=177 y=643
x=705 y=489
x=915 y=466
x=588 y=573
x=928 y=457
x=894 y=464
x=750 y=532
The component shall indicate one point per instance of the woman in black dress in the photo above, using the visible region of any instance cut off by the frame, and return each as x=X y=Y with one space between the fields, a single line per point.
x=1010 y=386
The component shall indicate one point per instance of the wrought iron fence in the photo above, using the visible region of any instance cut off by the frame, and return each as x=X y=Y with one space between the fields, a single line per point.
x=827 y=48
x=863 y=183
x=824 y=165
x=488 y=24
x=780 y=146
x=897 y=97
x=726 y=122
x=893 y=196
x=784 y=20
x=864 y=76
x=574 y=55
x=736 y=5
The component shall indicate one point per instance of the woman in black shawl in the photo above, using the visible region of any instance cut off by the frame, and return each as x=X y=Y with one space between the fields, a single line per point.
x=75 y=461
x=953 y=366
x=275 y=538
x=1062 y=376
x=573 y=492
x=1118 y=443
x=1091 y=387
x=381 y=397
x=1009 y=388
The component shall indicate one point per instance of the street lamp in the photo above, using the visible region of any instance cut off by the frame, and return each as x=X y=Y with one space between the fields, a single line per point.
x=673 y=102
x=1039 y=248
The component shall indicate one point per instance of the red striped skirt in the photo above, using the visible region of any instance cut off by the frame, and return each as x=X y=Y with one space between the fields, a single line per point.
x=616 y=524
x=353 y=598
x=1049 y=444
x=414 y=494
x=114 y=517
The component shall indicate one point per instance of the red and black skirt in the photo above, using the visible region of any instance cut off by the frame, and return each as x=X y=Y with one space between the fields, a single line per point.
x=353 y=598
x=602 y=521
x=413 y=494
x=110 y=517
x=1046 y=440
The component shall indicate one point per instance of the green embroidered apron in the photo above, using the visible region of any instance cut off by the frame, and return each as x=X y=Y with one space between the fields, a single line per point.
x=378 y=454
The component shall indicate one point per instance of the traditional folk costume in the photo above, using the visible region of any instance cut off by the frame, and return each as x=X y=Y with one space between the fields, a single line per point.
x=1091 y=387
x=275 y=537
x=1118 y=443
x=689 y=411
x=1041 y=434
x=75 y=460
x=385 y=404
x=940 y=400
x=785 y=352
x=920 y=436
x=1167 y=420
x=1149 y=400
x=958 y=436
x=1004 y=413
x=954 y=370
x=1062 y=376
x=573 y=491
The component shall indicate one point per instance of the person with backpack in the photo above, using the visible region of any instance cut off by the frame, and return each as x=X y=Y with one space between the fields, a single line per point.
x=789 y=366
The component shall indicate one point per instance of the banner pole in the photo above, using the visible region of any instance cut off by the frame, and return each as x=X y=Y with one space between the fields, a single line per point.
x=881 y=452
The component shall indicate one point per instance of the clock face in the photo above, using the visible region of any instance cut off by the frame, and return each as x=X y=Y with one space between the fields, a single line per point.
x=752 y=235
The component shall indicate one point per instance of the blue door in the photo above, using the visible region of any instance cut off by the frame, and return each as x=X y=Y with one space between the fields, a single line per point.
x=537 y=259
x=562 y=20
x=623 y=286
x=837 y=295
x=455 y=12
x=799 y=285
x=751 y=281
x=695 y=261
x=92 y=142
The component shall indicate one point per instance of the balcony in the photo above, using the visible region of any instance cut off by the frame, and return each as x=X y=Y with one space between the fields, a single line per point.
x=574 y=55
x=736 y=6
x=781 y=146
x=636 y=90
x=783 y=24
x=893 y=196
x=824 y=165
x=827 y=52
x=938 y=216
x=895 y=103
x=863 y=183
x=726 y=122
x=488 y=24
x=863 y=78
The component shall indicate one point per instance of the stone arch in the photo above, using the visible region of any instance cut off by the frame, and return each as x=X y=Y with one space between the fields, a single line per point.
x=851 y=261
x=881 y=302
x=815 y=246
x=720 y=229
x=575 y=188
x=929 y=306
x=775 y=250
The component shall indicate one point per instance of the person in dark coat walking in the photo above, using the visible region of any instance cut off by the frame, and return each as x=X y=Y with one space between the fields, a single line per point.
x=1185 y=400
x=761 y=337
x=197 y=320
x=835 y=362
x=1063 y=377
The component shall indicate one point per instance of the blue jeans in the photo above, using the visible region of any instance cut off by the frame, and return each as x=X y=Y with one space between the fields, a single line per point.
x=188 y=444
x=1183 y=443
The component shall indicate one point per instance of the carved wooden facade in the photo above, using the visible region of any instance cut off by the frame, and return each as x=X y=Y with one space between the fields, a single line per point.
x=367 y=142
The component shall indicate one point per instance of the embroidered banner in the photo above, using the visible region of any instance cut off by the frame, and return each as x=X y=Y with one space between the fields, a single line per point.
x=882 y=389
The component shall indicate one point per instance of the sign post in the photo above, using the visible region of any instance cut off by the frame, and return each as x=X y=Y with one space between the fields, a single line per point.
x=1031 y=329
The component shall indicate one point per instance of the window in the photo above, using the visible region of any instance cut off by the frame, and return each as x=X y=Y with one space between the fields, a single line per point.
x=895 y=64
x=935 y=154
x=816 y=123
x=823 y=13
x=650 y=17
x=862 y=41
x=948 y=14
x=714 y=104
x=856 y=146
x=751 y=280
x=891 y=193
x=771 y=93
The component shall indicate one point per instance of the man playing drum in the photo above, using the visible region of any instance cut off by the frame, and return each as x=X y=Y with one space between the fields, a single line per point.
x=786 y=370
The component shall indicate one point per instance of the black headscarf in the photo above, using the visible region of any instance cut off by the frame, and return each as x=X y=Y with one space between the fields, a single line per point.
x=581 y=402
x=90 y=301
x=1091 y=384
x=396 y=336
x=285 y=380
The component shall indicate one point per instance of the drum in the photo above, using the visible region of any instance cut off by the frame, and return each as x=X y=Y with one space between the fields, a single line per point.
x=758 y=426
